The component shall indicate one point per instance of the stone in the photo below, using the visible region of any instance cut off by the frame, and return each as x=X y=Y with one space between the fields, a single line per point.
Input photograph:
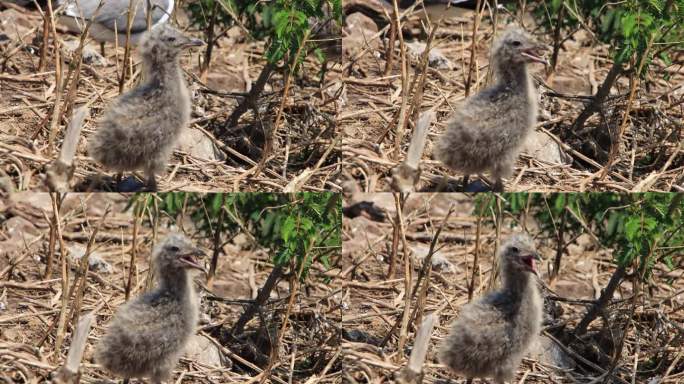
x=15 y=25
x=439 y=261
x=548 y=352
x=357 y=34
x=198 y=144
x=202 y=350
x=95 y=262
x=436 y=58
x=89 y=54
x=542 y=147
x=226 y=82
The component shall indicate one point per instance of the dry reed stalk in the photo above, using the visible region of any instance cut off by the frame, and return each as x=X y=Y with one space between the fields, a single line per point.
x=217 y=245
x=401 y=120
x=498 y=222
x=399 y=200
x=134 y=252
x=56 y=113
x=51 y=246
x=634 y=80
x=42 y=62
x=57 y=199
x=82 y=273
x=473 y=48
x=389 y=52
x=127 y=48
x=476 y=260
x=74 y=73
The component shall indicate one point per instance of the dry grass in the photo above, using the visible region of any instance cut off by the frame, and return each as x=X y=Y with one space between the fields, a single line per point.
x=649 y=156
x=30 y=302
x=375 y=301
x=304 y=155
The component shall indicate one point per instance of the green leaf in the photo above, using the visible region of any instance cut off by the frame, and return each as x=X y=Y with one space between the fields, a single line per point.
x=287 y=228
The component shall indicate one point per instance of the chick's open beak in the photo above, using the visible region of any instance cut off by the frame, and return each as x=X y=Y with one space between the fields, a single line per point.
x=190 y=259
x=529 y=261
x=536 y=54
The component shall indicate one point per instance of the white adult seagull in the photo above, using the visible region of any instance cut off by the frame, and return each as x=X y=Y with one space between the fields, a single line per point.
x=111 y=21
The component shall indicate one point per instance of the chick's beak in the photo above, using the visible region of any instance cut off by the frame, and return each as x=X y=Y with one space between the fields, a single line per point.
x=190 y=259
x=536 y=54
x=193 y=43
x=529 y=261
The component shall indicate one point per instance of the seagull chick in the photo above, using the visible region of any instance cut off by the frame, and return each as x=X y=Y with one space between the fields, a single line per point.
x=147 y=335
x=488 y=129
x=139 y=130
x=492 y=334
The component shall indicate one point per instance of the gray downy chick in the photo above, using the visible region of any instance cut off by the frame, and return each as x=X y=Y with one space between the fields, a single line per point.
x=147 y=335
x=488 y=129
x=493 y=333
x=140 y=128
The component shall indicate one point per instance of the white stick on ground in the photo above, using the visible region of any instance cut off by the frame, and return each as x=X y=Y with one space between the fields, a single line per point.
x=406 y=175
x=412 y=372
x=68 y=373
x=60 y=172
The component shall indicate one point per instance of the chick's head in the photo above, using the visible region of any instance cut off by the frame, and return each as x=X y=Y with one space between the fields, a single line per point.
x=519 y=254
x=177 y=252
x=164 y=42
x=515 y=46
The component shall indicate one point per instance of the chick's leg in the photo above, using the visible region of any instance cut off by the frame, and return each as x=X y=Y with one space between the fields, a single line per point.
x=151 y=183
x=498 y=185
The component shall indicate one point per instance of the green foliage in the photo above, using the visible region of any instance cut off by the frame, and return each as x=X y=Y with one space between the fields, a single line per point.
x=299 y=228
x=641 y=228
x=628 y=26
x=283 y=23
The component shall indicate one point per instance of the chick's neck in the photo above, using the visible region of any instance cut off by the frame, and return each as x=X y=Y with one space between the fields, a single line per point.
x=175 y=280
x=162 y=70
x=513 y=75
x=516 y=282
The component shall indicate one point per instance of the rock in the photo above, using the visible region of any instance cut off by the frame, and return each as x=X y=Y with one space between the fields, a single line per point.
x=202 y=350
x=357 y=34
x=436 y=58
x=197 y=144
x=226 y=82
x=95 y=262
x=20 y=232
x=542 y=147
x=548 y=352
x=15 y=25
x=19 y=227
x=439 y=262
x=89 y=54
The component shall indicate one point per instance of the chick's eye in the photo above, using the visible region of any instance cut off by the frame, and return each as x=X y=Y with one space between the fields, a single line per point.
x=516 y=43
x=173 y=248
x=514 y=249
x=170 y=39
